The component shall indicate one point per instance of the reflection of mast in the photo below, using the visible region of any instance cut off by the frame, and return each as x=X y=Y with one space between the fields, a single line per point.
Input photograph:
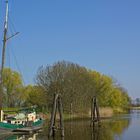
x=3 y=53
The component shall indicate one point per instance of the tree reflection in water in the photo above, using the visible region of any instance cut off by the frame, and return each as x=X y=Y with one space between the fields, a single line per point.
x=81 y=130
x=109 y=129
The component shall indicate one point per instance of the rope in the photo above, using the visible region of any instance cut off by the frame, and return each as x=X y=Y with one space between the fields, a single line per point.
x=8 y=53
x=18 y=67
x=11 y=25
x=12 y=30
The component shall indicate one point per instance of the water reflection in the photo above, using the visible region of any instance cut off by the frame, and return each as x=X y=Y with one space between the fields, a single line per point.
x=109 y=130
x=20 y=137
x=81 y=130
x=95 y=132
x=56 y=138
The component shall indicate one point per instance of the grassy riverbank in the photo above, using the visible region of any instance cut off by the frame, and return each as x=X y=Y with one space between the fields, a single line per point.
x=105 y=112
x=135 y=108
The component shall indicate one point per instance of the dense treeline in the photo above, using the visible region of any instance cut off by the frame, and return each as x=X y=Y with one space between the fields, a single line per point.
x=76 y=84
x=15 y=94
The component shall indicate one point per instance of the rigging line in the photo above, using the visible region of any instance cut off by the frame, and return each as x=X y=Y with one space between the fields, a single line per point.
x=12 y=24
x=8 y=55
x=10 y=29
x=1 y=36
x=1 y=4
x=1 y=24
x=18 y=67
x=10 y=33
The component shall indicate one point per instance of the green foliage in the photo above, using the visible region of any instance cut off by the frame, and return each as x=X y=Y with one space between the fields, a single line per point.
x=78 y=85
x=75 y=83
x=34 y=95
x=12 y=88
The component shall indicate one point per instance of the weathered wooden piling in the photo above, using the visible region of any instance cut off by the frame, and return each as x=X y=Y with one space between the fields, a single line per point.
x=57 y=106
x=60 y=110
x=95 y=114
x=71 y=111
x=95 y=133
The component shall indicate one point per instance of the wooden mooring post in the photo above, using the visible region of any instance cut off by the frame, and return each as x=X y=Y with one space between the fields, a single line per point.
x=57 y=106
x=95 y=114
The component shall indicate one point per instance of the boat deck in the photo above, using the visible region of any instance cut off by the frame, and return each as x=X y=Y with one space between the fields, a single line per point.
x=28 y=129
x=4 y=132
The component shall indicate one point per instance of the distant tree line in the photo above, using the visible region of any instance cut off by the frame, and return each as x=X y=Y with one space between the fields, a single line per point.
x=135 y=103
x=76 y=84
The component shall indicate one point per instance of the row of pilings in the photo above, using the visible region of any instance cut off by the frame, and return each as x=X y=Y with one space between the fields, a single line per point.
x=58 y=108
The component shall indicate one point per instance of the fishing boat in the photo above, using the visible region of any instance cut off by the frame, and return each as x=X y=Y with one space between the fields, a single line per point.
x=22 y=120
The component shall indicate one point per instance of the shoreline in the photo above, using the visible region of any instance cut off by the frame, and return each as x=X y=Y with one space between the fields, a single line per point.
x=105 y=113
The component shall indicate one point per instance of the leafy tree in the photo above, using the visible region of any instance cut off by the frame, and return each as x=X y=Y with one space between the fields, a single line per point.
x=34 y=95
x=78 y=85
x=12 y=88
x=67 y=79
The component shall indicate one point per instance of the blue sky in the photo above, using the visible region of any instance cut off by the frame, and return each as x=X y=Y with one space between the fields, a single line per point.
x=103 y=35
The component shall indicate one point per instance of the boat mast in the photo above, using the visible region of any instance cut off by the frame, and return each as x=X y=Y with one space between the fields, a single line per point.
x=3 y=53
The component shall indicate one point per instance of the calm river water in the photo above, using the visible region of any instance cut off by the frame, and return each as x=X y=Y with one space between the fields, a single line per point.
x=122 y=127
